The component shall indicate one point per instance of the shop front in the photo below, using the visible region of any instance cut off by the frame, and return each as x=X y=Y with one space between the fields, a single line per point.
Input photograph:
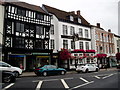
x=18 y=60
x=37 y=60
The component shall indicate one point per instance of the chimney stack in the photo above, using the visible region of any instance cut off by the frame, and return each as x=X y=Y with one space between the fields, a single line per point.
x=98 y=25
x=78 y=12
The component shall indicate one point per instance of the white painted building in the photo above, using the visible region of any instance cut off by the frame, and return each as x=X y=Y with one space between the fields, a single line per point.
x=66 y=25
x=117 y=43
x=1 y=27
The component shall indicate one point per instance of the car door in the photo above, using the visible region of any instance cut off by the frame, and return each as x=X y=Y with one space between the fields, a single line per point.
x=50 y=69
x=89 y=67
x=92 y=68
x=55 y=70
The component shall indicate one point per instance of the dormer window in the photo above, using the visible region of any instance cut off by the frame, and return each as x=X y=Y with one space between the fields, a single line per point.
x=79 y=20
x=71 y=18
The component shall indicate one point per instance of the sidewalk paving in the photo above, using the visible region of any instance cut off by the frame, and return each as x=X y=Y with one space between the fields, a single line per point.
x=30 y=74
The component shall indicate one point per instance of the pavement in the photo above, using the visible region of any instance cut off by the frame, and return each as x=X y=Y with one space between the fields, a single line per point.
x=30 y=74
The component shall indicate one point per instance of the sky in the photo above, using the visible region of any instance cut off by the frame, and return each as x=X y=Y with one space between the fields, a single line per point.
x=104 y=12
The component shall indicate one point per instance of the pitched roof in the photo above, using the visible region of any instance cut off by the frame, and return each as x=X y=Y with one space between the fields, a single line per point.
x=26 y=5
x=64 y=16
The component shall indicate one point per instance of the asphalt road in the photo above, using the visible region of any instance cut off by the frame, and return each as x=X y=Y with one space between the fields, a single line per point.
x=73 y=81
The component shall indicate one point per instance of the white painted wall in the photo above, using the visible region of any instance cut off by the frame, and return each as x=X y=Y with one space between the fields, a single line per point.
x=115 y=43
x=58 y=31
x=93 y=38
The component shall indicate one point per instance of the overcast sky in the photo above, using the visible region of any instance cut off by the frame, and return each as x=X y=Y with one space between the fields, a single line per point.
x=104 y=12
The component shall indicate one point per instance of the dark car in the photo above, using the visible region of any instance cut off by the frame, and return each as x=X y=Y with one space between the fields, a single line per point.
x=49 y=70
x=8 y=77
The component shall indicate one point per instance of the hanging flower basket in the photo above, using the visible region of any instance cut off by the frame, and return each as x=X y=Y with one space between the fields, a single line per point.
x=64 y=54
x=81 y=57
x=101 y=55
x=118 y=56
x=90 y=51
x=78 y=50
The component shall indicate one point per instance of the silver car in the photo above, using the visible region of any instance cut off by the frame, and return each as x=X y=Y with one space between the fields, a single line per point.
x=87 y=68
x=7 y=67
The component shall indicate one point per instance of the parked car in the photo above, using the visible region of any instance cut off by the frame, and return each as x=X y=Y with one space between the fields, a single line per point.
x=49 y=70
x=86 y=68
x=7 y=67
x=8 y=77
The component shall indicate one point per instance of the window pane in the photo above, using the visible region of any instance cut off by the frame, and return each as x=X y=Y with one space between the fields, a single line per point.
x=80 y=32
x=65 y=30
x=52 y=29
x=41 y=30
x=23 y=13
x=52 y=44
x=72 y=30
x=87 y=45
x=19 y=11
x=81 y=45
x=86 y=33
x=18 y=27
x=22 y=27
x=65 y=44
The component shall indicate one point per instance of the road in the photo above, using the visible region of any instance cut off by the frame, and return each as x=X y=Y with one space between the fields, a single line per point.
x=70 y=81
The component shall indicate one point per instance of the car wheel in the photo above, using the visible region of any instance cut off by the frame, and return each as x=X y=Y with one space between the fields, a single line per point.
x=44 y=73
x=7 y=79
x=62 y=72
x=16 y=74
x=96 y=69
x=86 y=70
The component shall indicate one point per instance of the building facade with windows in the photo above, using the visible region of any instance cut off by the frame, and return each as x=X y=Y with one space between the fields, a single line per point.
x=69 y=30
x=26 y=35
x=103 y=43
x=117 y=43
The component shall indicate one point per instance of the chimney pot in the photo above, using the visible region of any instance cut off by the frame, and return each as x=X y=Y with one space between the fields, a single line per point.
x=98 y=25
x=109 y=30
x=78 y=12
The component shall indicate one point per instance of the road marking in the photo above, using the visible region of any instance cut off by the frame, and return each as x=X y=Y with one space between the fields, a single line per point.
x=81 y=85
x=64 y=83
x=52 y=79
x=39 y=85
x=84 y=80
x=68 y=78
x=8 y=86
x=97 y=77
x=107 y=76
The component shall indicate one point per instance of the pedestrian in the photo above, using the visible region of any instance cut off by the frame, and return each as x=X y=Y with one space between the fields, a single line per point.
x=105 y=66
x=75 y=65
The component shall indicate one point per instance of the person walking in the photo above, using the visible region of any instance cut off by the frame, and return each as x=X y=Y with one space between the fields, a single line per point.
x=105 y=66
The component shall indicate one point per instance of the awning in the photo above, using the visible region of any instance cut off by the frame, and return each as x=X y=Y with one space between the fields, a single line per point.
x=16 y=55
x=42 y=56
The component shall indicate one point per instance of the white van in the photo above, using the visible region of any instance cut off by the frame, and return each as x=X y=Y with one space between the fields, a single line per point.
x=7 y=67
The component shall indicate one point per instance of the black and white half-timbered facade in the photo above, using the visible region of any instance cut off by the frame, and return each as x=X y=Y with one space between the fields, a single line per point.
x=26 y=35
